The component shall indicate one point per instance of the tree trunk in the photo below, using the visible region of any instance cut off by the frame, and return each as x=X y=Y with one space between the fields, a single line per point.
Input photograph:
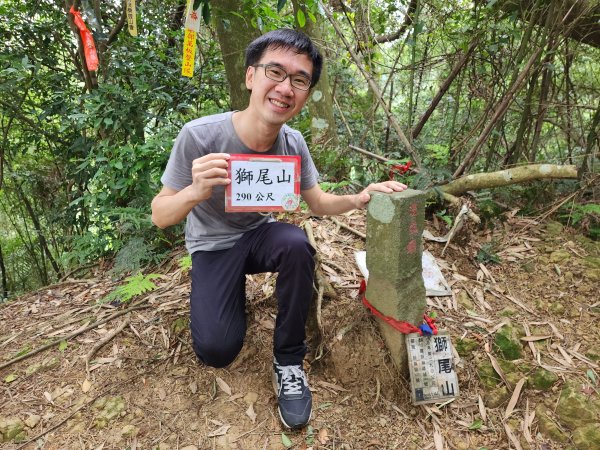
x=407 y=145
x=444 y=88
x=4 y=275
x=26 y=239
x=516 y=149
x=592 y=141
x=234 y=33
x=38 y=229
x=498 y=115
x=323 y=129
x=542 y=107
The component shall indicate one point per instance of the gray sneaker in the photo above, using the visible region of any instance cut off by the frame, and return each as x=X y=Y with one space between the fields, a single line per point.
x=293 y=395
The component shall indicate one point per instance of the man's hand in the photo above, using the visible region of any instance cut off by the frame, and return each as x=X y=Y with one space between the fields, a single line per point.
x=362 y=199
x=207 y=172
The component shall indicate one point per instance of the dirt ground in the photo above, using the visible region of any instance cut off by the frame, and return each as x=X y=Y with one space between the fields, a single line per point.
x=143 y=388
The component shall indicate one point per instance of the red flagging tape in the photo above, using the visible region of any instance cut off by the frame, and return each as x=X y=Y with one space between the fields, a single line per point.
x=400 y=325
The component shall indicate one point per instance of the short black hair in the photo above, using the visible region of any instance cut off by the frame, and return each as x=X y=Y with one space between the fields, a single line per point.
x=287 y=39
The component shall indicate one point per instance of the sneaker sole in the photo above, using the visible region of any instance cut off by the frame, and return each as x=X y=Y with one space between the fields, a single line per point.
x=274 y=379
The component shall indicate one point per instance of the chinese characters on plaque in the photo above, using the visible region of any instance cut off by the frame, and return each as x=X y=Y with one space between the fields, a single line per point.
x=263 y=183
x=432 y=375
x=189 y=52
x=131 y=17
x=192 y=27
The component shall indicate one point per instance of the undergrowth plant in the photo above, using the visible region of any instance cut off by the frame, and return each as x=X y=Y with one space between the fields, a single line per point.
x=185 y=263
x=487 y=254
x=134 y=286
x=585 y=216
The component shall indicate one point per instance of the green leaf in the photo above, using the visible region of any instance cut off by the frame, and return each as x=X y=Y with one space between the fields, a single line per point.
x=135 y=285
x=23 y=351
x=301 y=18
x=286 y=441
x=62 y=346
x=186 y=262
x=197 y=4
x=476 y=425
x=10 y=378
x=280 y=4
x=591 y=375
x=310 y=435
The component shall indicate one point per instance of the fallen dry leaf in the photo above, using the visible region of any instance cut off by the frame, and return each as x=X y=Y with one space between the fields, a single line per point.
x=497 y=368
x=535 y=338
x=323 y=436
x=267 y=324
x=86 y=386
x=514 y=398
x=223 y=385
x=220 y=431
x=512 y=437
x=250 y=413
x=482 y=410
x=438 y=439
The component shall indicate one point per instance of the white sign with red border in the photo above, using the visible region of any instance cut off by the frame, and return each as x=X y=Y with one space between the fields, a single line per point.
x=263 y=183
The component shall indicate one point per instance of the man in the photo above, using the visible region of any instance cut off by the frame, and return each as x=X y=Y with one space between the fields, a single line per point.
x=281 y=68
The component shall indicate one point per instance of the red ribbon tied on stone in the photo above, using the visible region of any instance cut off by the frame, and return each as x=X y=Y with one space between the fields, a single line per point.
x=91 y=56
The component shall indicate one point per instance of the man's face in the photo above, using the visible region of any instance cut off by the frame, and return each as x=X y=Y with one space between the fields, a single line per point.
x=276 y=102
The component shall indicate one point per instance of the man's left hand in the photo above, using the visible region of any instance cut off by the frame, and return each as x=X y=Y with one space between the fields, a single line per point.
x=387 y=187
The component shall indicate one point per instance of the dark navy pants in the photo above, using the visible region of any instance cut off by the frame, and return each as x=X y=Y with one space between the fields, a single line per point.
x=218 y=297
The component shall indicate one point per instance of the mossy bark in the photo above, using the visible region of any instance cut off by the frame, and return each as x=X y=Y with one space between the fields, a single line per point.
x=234 y=33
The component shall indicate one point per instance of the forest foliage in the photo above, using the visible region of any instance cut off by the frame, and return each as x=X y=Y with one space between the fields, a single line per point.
x=455 y=87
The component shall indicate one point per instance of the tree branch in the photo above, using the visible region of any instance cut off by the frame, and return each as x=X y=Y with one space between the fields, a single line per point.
x=506 y=177
x=374 y=87
x=397 y=34
x=444 y=88
x=112 y=36
x=498 y=114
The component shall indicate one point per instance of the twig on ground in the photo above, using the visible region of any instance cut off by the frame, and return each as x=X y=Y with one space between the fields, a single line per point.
x=103 y=342
x=72 y=335
x=77 y=269
x=346 y=227
x=314 y=323
x=377 y=393
x=249 y=432
x=62 y=422
x=455 y=201
x=458 y=223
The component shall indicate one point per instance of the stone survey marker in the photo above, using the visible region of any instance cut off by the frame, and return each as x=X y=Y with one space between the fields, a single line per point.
x=396 y=289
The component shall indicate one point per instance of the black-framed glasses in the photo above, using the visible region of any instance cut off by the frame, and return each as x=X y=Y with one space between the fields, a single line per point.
x=276 y=73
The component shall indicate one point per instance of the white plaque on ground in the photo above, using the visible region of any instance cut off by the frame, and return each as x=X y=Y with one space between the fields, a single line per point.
x=432 y=374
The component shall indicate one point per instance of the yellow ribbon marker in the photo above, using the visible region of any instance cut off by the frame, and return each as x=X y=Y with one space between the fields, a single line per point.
x=189 y=51
x=131 y=17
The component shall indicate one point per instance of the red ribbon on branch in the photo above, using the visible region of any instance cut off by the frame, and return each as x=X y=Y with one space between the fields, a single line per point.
x=399 y=169
x=428 y=328
x=89 y=48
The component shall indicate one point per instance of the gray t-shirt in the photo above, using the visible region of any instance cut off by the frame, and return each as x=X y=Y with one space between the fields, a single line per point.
x=208 y=226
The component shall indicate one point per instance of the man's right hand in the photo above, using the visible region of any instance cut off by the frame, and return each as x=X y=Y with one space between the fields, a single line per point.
x=207 y=172
x=171 y=206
